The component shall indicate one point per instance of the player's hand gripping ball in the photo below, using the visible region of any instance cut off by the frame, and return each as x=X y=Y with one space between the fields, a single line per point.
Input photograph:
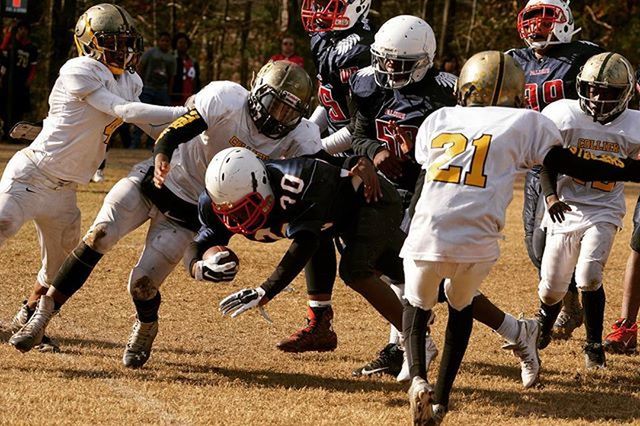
x=218 y=264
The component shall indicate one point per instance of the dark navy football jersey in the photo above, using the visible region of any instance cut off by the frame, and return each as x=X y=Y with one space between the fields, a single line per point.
x=408 y=107
x=554 y=76
x=310 y=195
x=337 y=55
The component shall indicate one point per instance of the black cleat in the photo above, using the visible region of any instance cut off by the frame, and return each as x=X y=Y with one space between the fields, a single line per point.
x=594 y=358
x=389 y=361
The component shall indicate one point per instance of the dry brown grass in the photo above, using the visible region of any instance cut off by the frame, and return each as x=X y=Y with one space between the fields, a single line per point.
x=214 y=370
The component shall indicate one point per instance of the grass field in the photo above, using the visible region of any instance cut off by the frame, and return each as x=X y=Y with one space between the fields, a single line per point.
x=206 y=369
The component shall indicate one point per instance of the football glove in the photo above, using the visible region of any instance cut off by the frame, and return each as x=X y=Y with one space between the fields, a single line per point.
x=212 y=270
x=242 y=301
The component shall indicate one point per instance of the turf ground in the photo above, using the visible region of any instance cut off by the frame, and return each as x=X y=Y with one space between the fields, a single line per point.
x=206 y=369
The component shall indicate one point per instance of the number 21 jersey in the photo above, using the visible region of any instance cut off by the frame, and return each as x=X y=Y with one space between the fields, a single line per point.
x=472 y=156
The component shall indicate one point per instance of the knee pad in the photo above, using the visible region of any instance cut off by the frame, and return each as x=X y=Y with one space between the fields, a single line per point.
x=458 y=300
x=589 y=278
x=102 y=236
x=141 y=286
x=590 y=286
x=550 y=297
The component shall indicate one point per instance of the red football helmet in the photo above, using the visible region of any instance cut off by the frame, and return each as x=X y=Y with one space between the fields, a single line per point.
x=331 y=15
x=545 y=22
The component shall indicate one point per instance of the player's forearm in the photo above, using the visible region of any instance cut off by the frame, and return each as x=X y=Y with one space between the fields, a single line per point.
x=360 y=142
x=337 y=142
x=141 y=113
x=300 y=252
x=183 y=129
x=319 y=117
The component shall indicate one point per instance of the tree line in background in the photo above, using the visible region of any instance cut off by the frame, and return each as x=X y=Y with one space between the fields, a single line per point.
x=233 y=38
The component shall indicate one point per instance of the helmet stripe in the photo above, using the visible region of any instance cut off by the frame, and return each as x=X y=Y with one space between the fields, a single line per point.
x=604 y=66
x=124 y=18
x=499 y=80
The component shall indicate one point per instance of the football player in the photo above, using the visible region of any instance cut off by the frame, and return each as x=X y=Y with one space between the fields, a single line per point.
x=302 y=198
x=392 y=97
x=93 y=95
x=551 y=61
x=599 y=124
x=624 y=336
x=340 y=39
x=471 y=155
x=164 y=189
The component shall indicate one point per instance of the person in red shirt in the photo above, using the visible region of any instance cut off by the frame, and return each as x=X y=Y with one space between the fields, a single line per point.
x=187 y=79
x=288 y=52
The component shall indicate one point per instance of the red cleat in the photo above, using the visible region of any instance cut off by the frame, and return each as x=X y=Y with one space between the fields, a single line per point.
x=317 y=336
x=623 y=339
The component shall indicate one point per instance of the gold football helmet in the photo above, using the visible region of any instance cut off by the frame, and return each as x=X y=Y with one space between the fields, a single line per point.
x=107 y=33
x=605 y=85
x=280 y=97
x=491 y=78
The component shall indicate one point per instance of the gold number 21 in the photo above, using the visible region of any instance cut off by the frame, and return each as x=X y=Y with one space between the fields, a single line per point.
x=457 y=144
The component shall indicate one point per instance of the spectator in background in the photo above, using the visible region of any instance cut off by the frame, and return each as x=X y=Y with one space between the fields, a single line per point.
x=157 y=69
x=288 y=52
x=187 y=79
x=450 y=64
x=18 y=59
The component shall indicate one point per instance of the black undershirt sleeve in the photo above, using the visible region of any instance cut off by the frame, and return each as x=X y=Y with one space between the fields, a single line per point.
x=582 y=165
x=183 y=129
x=302 y=248
x=360 y=142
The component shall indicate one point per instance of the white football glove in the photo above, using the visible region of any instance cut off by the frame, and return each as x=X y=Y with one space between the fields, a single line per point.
x=212 y=270
x=242 y=301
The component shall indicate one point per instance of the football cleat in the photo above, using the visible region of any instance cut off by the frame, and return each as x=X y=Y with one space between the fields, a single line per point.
x=21 y=318
x=545 y=337
x=526 y=348
x=623 y=339
x=317 y=336
x=32 y=333
x=594 y=357
x=439 y=411
x=570 y=317
x=138 y=348
x=431 y=352
x=389 y=361
x=420 y=399
x=98 y=176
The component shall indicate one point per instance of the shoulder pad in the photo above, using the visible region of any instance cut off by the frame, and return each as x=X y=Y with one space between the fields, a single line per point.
x=347 y=43
x=363 y=83
x=82 y=76
x=446 y=80
x=218 y=98
x=588 y=43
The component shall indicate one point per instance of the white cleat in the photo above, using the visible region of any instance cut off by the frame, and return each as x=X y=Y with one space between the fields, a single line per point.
x=98 y=176
x=526 y=348
x=420 y=399
x=33 y=331
x=138 y=348
x=431 y=352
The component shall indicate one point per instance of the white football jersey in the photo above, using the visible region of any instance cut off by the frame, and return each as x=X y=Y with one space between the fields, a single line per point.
x=592 y=202
x=74 y=136
x=223 y=106
x=472 y=156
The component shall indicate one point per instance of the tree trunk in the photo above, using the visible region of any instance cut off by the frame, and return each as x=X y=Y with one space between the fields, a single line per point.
x=244 y=37
x=448 y=23
x=221 y=46
x=63 y=16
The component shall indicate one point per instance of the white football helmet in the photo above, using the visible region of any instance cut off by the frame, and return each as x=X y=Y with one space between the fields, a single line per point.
x=330 y=15
x=544 y=23
x=403 y=51
x=238 y=185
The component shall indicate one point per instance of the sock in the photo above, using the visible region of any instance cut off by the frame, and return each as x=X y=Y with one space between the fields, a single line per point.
x=549 y=316
x=75 y=270
x=509 y=329
x=147 y=310
x=394 y=335
x=457 y=336
x=414 y=324
x=319 y=303
x=593 y=303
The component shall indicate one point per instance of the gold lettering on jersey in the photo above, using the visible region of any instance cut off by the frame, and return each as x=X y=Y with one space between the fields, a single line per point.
x=605 y=158
x=597 y=145
x=189 y=117
x=234 y=141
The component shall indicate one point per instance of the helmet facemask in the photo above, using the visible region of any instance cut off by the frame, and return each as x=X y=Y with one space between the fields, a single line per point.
x=320 y=16
x=275 y=113
x=393 y=72
x=247 y=215
x=120 y=51
x=545 y=24
x=602 y=100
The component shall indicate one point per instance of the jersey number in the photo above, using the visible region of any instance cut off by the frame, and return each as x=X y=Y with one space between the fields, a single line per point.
x=111 y=127
x=385 y=135
x=456 y=144
x=326 y=99
x=596 y=184
x=292 y=184
x=551 y=91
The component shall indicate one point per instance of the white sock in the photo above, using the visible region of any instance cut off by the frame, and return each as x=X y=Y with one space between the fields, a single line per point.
x=394 y=336
x=509 y=329
x=319 y=303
